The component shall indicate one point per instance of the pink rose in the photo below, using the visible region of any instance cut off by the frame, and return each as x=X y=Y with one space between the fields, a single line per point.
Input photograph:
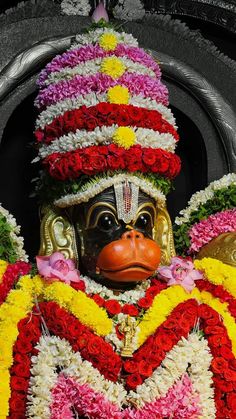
x=180 y=272
x=56 y=267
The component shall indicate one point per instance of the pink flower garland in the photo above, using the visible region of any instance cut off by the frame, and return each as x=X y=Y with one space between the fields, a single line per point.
x=206 y=230
x=81 y=85
x=90 y=52
x=181 y=402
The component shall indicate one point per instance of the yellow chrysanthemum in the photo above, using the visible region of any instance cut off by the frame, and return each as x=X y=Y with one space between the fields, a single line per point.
x=3 y=267
x=108 y=41
x=124 y=137
x=118 y=94
x=113 y=67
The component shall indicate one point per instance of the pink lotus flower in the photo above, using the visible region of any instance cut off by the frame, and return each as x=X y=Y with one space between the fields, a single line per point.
x=100 y=13
x=56 y=267
x=180 y=272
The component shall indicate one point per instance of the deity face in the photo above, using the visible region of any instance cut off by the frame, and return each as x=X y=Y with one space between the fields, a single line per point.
x=111 y=250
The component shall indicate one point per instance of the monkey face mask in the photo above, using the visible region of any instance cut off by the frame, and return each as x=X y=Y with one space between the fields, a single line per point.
x=115 y=236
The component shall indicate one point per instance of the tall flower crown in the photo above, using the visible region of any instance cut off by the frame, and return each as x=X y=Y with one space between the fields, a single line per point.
x=103 y=118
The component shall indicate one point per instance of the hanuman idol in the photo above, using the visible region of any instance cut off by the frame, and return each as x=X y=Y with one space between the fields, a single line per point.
x=113 y=324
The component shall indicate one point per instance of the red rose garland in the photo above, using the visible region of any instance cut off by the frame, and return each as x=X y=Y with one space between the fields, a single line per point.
x=104 y=114
x=219 y=292
x=97 y=159
x=10 y=277
x=113 y=307
x=94 y=349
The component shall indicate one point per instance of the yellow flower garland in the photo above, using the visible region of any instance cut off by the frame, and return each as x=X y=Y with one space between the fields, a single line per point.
x=218 y=273
x=3 y=268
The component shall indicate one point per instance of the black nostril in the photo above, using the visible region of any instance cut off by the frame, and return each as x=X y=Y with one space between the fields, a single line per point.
x=137 y=236
x=128 y=236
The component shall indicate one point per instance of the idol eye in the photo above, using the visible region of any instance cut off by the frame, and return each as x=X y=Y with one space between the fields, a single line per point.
x=106 y=222
x=143 y=222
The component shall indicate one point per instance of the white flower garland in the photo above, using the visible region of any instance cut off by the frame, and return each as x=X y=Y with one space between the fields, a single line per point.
x=92 y=67
x=128 y=297
x=203 y=196
x=93 y=189
x=92 y=99
x=129 y=10
x=75 y=7
x=93 y=37
x=190 y=354
x=18 y=241
x=104 y=135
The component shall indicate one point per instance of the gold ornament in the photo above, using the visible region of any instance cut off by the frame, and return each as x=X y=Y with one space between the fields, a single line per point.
x=57 y=233
x=128 y=328
x=222 y=248
x=163 y=235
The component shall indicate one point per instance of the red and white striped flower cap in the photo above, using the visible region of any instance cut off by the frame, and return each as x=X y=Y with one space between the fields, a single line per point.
x=104 y=114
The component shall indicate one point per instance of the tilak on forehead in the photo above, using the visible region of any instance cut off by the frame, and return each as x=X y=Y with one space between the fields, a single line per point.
x=104 y=121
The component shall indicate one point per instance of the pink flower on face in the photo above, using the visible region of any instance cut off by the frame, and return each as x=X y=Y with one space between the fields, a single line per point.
x=180 y=272
x=56 y=267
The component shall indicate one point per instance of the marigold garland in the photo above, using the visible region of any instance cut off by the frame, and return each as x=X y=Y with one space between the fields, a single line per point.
x=218 y=273
x=3 y=268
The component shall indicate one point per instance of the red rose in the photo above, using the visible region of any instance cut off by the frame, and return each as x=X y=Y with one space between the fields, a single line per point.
x=229 y=374
x=115 y=163
x=145 y=302
x=130 y=309
x=133 y=381
x=156 y=357
x=219 y=365
x=113 y=307
x=231 y=401
x=214 y=330
x=39 y=135
x=153 y=291
x=222 y=385
x=23 y=347
x=78 y=286
x=136 y=114
x=145 y=368
x=162 y=162
x=115 y=150
x=21 y=370
x=165 y=341
x=83 y=340
x=94 y=345
x=98 y=300
x=226 y=352
x=213 y=321
x=19 y=384
x=205 y=312
x=218 y=340
x=17 y=403
x=149 y=157
x=130 y=366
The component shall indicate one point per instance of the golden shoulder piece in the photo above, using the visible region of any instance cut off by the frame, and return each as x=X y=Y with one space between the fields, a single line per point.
x=222 y=248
